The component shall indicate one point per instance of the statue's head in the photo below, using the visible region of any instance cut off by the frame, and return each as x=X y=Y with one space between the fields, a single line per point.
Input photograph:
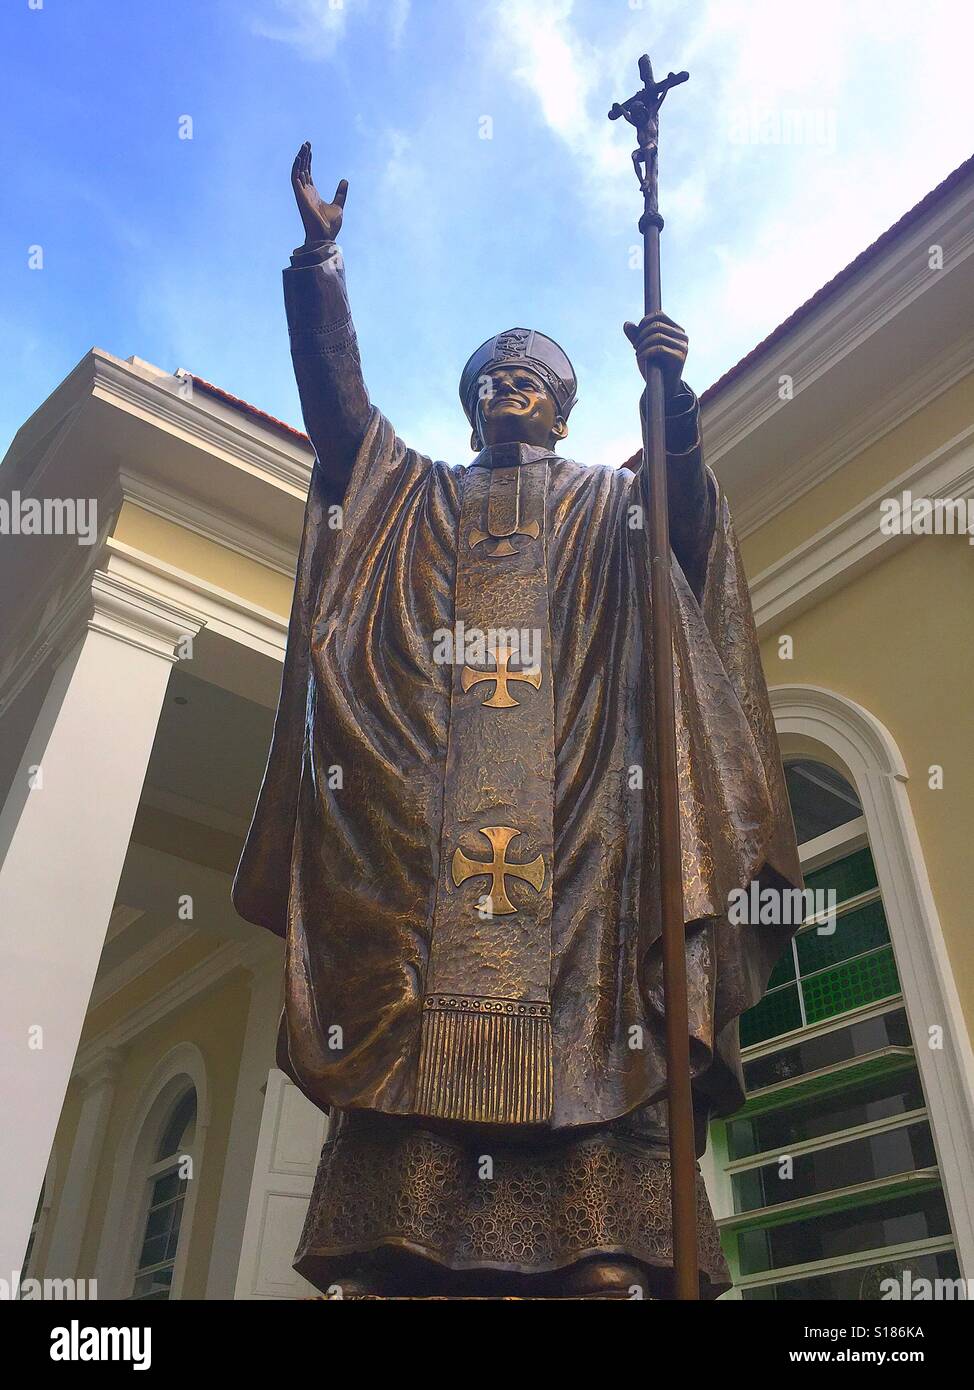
x=518 y=387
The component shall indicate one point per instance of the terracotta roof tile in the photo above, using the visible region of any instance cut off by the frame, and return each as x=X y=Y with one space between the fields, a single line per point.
x=236 y=403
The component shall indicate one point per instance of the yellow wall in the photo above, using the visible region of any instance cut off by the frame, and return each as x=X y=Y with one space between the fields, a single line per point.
x=896 y=639
x=146 y=986
x=185 y=550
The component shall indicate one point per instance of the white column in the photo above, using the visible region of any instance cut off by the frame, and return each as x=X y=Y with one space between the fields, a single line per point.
x=266 y=966
x=64 y=830
x=71 y=1215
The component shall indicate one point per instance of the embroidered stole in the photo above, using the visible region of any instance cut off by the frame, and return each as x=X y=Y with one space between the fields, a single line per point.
x=485 y=1052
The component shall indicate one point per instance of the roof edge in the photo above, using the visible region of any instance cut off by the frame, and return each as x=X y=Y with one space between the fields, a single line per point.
x=839 y=281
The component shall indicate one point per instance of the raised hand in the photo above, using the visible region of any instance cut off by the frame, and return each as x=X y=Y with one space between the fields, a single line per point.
x=322 y=221
x=661 y=343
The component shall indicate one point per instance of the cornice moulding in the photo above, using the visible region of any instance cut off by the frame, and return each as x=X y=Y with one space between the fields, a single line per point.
x=854 y=542
x=893 y=410
x=132 y=613
x=220 y=611
x=212 y=525
x=120 y=384
x=198 y=978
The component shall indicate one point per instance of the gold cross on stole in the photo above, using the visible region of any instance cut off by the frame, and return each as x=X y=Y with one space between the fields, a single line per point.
x=501 y=698
x=500 y=836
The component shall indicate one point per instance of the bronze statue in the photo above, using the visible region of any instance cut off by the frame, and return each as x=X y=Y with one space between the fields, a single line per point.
x=450 y=834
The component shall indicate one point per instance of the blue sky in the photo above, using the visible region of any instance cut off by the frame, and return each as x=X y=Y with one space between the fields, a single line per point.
x=806 y=129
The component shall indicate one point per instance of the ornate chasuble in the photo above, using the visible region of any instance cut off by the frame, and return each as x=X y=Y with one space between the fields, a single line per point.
x=453 y=851
x=486 y=1034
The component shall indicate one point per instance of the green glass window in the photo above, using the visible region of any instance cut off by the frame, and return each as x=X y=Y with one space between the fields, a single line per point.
x=837 y=968
x=812 y=1075
x=851 y=985
x=774 y=1131
x=859 y=1039
x=780 y=1011
x=913 y=1217
x=850 y=877
x=901 y=1150
x=865 y=1283
x=855 y=933
x=158 y=1256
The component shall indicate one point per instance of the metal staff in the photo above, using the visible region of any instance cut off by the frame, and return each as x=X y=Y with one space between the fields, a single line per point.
x=642 y=111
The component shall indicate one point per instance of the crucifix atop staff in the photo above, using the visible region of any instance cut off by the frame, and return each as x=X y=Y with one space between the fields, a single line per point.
x=546 y=1023
x=642 y=111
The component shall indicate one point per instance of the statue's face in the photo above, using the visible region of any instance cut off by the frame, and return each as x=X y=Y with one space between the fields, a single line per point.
x=518 y=408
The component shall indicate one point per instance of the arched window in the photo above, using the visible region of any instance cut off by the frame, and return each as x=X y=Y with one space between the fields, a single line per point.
x=167 y=1183
x=829 y=1180
x=826 y=970
x=821 y=798
x=168 y=1119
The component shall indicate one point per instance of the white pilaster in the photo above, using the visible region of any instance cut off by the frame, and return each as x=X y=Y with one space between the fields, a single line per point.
x=64 y=830
x=266 y=966
x=70 y=1219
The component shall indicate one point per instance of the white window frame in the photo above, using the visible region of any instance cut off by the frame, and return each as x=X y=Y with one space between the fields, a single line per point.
x=170 y=1163
x=817 y=853
x=128 y=1202
x=818 y=723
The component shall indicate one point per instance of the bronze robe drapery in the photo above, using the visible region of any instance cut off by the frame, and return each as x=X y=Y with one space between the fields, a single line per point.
x=344 y=854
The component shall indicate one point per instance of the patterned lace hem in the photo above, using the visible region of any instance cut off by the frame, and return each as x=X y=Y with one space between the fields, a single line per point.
x=386 y=1187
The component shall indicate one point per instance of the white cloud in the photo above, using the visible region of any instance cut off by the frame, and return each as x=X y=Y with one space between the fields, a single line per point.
x=316 y=27
x=537 y=43
x=883 y=88
x=901 y=112
x=398 y=17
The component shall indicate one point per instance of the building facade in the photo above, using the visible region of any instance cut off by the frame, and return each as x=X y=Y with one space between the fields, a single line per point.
x=138 y=681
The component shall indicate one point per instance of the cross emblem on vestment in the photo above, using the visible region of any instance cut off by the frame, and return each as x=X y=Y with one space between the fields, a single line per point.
x=503 y=518
x=500 y=836
x=501 y=698
x=502 y=545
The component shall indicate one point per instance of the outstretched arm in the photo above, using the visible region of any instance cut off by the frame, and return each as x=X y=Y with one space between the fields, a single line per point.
x=324 y=349
x=690 y=496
